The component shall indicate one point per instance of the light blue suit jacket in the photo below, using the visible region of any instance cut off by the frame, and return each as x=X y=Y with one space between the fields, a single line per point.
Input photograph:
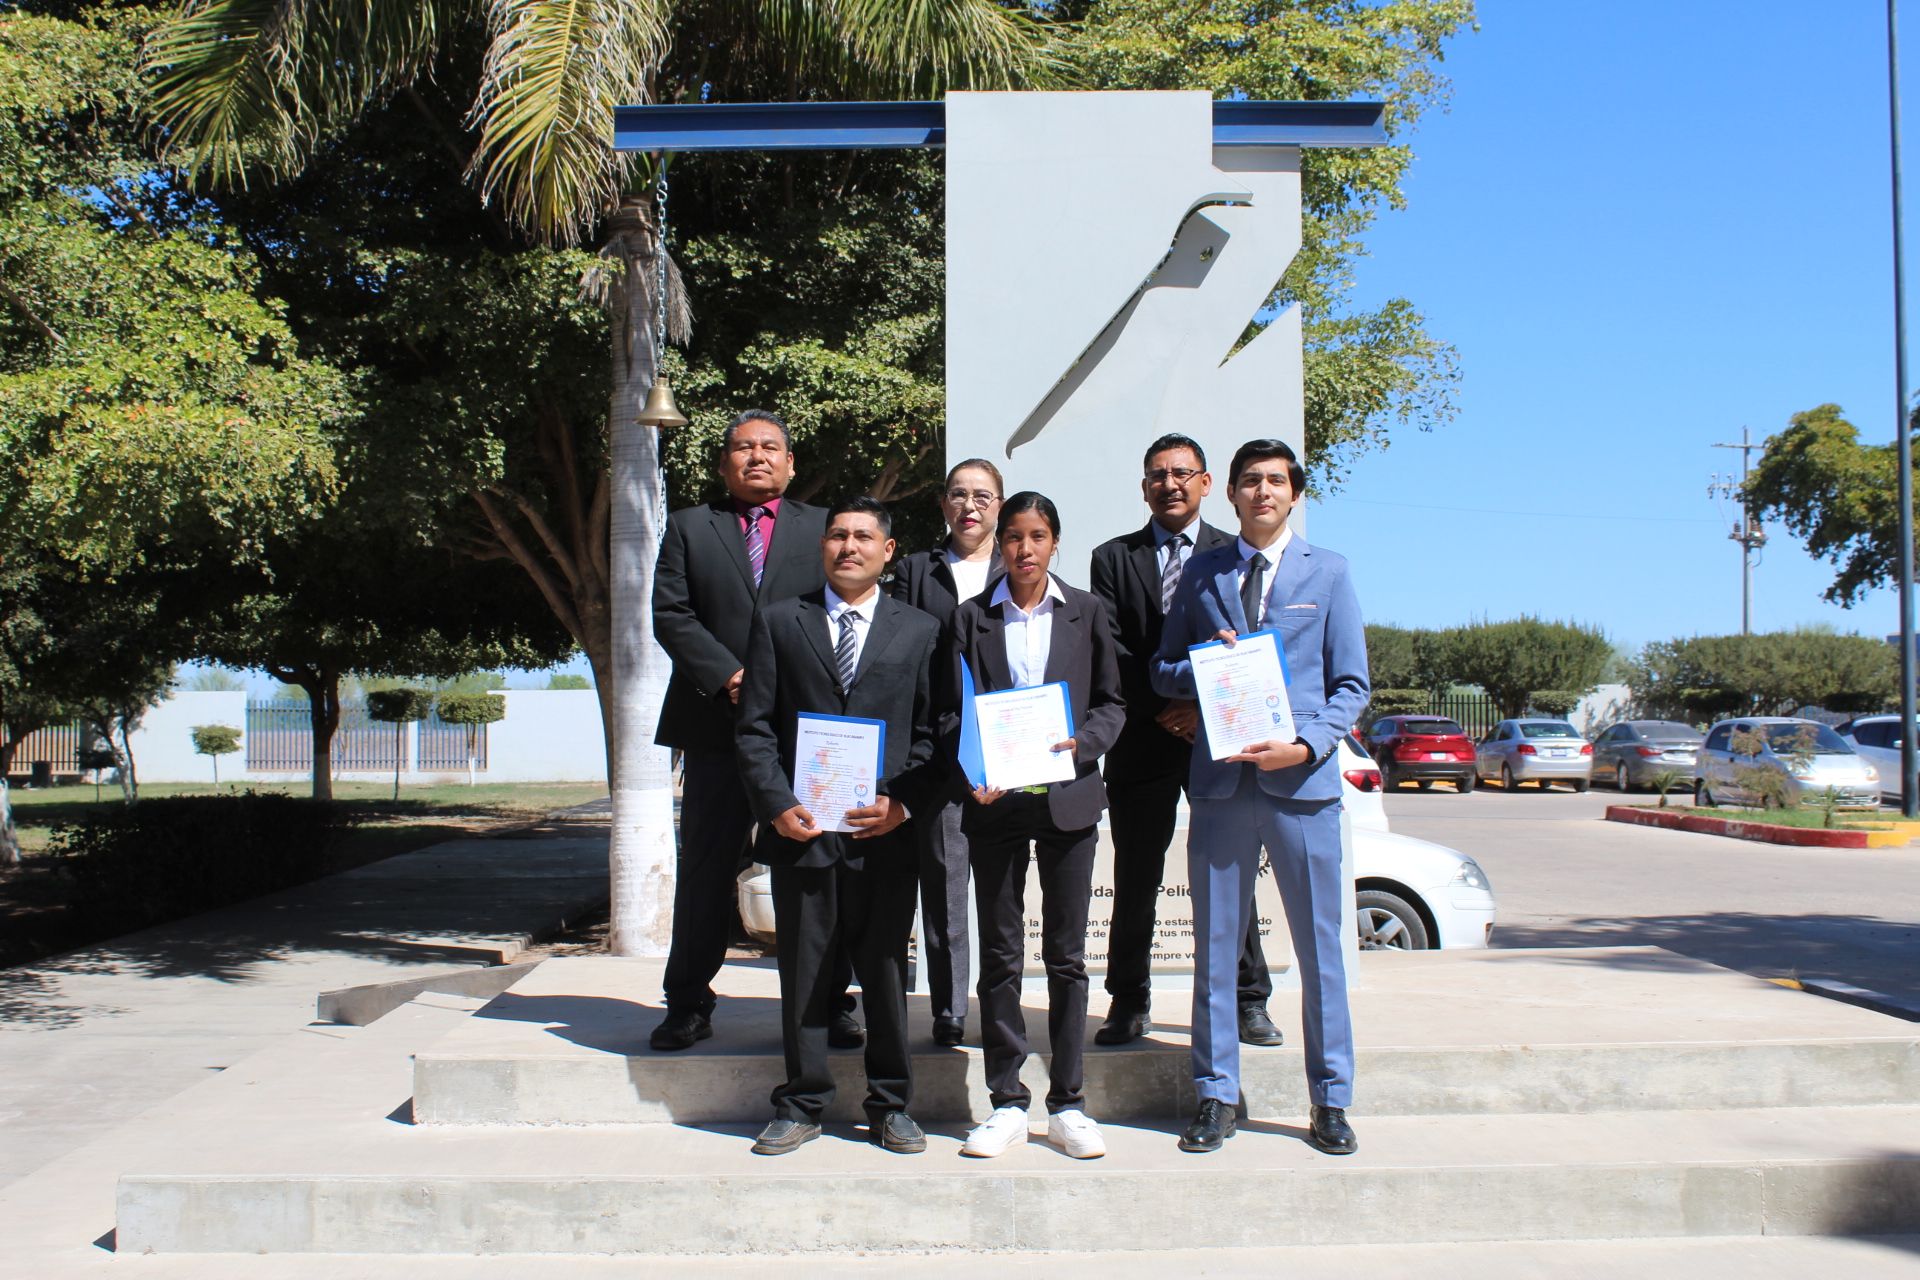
x=1314 y=609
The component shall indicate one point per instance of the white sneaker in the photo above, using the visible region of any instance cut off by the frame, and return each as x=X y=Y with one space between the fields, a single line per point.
x=1004 y=1130
x=1074 y=1133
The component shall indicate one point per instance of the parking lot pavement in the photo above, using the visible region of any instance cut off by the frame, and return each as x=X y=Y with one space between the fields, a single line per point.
x=1566 y=877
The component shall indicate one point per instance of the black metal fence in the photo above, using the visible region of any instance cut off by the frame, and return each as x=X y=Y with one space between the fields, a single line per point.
x=279 y=739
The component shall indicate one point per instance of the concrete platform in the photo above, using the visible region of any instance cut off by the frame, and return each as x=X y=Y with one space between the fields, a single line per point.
x=1586 y=1030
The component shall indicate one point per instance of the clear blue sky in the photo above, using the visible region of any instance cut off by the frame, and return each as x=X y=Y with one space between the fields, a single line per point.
x=1643 y=224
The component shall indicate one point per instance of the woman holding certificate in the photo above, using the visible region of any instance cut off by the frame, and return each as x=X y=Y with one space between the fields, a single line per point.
x=1038 y=703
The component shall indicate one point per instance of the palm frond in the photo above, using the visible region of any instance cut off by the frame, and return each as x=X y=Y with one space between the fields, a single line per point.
x=554 y=72
x=911 y=47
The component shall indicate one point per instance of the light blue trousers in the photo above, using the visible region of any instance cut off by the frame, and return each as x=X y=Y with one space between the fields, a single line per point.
x=1302 y=839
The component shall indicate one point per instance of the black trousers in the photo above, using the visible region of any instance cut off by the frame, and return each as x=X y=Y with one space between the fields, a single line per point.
x=1141 y=814
x=824 y=913
x=715 y=824
x=943 y=911
x=1001 y=837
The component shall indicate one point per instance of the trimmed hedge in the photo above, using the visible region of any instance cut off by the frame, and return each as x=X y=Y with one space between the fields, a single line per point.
x=131 y=866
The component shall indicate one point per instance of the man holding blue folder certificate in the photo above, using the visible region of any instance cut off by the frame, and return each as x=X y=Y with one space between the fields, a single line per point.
x=1265 y=634
x=835 y=742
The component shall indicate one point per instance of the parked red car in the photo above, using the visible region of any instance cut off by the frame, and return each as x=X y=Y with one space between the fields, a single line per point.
x=1421 y=749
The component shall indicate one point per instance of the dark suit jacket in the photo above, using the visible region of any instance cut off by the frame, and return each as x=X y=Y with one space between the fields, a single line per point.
x=1081 y=652
x=1126 y=575
x=703 y=604
x=791 y=670
x=925 y=581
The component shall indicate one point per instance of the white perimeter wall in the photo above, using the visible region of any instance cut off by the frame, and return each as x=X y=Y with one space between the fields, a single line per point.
x=548 y=735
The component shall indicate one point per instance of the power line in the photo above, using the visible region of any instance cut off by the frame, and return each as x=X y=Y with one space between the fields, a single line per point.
x=1544 y=515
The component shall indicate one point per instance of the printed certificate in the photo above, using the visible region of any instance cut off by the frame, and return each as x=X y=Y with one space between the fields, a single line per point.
x=1018 y=728
x=1243 y=693
x=836 y=766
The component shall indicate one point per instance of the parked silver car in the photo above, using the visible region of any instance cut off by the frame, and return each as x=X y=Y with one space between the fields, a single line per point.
x=1827 y=760
x=1877 y=738
x=1630 y=753
x=1541 y=751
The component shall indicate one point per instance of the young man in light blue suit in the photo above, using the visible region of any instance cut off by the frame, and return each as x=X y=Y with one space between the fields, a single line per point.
x=1283 y=795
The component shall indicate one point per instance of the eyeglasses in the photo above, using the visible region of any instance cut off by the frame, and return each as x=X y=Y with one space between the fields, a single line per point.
x=978 y=497
x=1179 y=475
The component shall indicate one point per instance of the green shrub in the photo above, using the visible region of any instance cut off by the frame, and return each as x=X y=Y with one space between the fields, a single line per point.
x=398 y=706
x=568 y=680
x=144 y=864
x=1398 y=702
x=1554 y=702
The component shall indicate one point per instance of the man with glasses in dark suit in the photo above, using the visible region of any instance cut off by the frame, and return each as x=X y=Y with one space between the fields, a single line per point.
x=1146 y=771
x=720 y=562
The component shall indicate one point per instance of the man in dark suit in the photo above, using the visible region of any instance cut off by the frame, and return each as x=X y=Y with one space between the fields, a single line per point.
x=845 y=650
x=1146 y=771
x=719 y=563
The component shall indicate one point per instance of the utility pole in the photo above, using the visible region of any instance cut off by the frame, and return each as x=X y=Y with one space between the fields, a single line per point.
x=1747 y=532
x=1902 y=433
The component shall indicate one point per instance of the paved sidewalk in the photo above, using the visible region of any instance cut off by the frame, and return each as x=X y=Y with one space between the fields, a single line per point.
x=92 y=1038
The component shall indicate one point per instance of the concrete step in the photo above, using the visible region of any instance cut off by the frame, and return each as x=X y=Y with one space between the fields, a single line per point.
x=376 y=1187
x=1439 y=1033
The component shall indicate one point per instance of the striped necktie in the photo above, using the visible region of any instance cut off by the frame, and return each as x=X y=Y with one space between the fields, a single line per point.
x=845 y=654
x=1253 y=595
x=1170 y=576
x=756 y=545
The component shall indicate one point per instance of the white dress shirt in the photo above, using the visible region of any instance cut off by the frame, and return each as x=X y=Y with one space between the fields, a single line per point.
x=862 y=620
x=1272 y=554
x=1029 y=635
x=969 y=576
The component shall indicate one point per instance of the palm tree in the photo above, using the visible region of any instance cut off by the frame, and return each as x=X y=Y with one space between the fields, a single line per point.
x=244 y=88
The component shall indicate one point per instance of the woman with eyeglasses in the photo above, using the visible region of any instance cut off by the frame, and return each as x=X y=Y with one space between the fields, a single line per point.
x=964 y=564
x=1032 y=629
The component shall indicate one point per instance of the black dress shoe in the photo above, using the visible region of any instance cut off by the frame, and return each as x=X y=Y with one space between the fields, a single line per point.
x=896 y=1132
x=783 y=1136
x=845 y=1032
x=1331 y=1132
x=1257 y=1028
x=1123 y=1026
x=948 y=1032
x=682 y=1030
x=1213 y=1125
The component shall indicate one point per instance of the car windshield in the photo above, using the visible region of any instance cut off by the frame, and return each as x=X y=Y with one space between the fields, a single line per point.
x=1548 y=729
x=1667 y=729
x=1432 y=728
x=1817 y=738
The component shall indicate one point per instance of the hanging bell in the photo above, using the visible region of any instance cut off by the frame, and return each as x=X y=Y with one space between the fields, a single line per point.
x=660 y=410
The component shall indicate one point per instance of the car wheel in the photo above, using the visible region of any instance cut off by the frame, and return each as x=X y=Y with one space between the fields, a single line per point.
x=1580 y=786
x=1703 y=795
x=1465 y=784
x=1425 y=784
x=1388 y=922
x=1506 y=778
x=1622 y=779
x=1389 y=779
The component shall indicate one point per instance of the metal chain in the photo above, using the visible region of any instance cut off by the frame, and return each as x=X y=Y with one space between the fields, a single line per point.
x=660 y=272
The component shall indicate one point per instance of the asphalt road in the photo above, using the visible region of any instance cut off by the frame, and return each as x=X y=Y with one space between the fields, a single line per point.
x=1565 y=877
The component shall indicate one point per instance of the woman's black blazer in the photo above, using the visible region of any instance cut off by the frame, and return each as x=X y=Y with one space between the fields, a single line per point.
x=925 y=581
x=1081 y=652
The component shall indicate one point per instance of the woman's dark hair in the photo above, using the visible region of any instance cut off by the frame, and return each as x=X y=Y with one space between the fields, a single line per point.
x=1261 y=451
x=1028 y=500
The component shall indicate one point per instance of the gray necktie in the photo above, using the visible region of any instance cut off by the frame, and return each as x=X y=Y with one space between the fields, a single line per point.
x=1170 y=576
x=844 y=652
x=1253 y=594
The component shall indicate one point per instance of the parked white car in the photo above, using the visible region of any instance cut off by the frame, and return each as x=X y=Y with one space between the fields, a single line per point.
x=1877 y=739
x=1827 y=763
x=1410 y=895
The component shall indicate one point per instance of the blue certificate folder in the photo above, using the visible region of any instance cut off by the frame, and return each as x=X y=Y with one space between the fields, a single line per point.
x=972 y=762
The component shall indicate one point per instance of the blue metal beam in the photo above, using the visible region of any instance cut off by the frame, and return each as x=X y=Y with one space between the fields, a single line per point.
x=839 y=126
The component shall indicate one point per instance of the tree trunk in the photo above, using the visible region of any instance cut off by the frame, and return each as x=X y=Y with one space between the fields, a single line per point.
x=640 y=777
x=9 y=836
x=129 y=778
x=322 y=687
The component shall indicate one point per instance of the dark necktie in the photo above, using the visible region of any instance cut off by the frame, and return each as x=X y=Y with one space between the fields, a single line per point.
x=756 y=545
x=844 y=653
x=1170 y=576
x=1253 y=593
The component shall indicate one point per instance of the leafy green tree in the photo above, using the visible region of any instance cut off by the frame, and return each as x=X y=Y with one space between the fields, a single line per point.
x=471 y=710
x=1366 y=371
x=568 y=680
x=399 y=708
x=1774 y=673
x=214 y=741
x=1838 y=496
x=1512 y=660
